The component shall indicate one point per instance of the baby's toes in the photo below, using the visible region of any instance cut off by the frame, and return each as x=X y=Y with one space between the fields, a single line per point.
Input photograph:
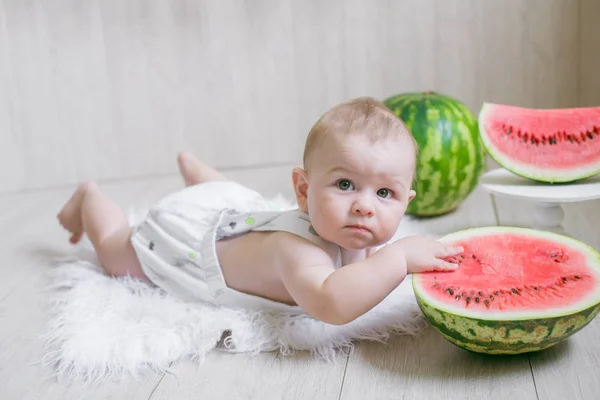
x=76 y=237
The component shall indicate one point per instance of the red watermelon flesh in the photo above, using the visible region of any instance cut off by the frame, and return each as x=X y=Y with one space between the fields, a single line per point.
x=516 y=290
x=551 y=145
x=515 y=273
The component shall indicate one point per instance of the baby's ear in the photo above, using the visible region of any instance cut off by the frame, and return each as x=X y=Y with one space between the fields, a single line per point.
x=411 y=195
x=300 y=182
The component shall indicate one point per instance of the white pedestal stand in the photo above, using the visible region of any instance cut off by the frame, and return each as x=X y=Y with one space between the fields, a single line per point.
x=548 y=213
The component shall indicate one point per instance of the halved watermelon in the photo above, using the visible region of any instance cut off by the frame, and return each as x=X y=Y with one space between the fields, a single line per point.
x=516 y=290
x=547 y=145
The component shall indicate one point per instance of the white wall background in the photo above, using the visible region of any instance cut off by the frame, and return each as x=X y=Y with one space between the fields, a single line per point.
x=112 y=89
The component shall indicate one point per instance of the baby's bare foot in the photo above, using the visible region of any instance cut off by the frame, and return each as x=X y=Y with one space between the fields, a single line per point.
x=70 y=215
x=194 y=172
x=189 y=168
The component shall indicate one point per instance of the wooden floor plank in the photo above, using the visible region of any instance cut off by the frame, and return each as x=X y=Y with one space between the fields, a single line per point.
x=569 y=369
x=429 y=367
x=265 y=376
x=31 y=244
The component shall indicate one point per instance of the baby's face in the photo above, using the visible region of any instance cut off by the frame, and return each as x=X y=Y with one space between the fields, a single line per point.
x=358 y=191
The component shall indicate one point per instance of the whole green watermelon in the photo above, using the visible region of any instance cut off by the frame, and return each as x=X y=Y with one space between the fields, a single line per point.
x=451 y=155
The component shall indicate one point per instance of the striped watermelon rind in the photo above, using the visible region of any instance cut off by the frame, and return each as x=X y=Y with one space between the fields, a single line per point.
x=451 y=155
x=510 y=332
x=506 y=337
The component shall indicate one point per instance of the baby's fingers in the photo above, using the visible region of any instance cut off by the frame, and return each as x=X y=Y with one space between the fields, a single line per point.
x=443 y=265
x=452 y=250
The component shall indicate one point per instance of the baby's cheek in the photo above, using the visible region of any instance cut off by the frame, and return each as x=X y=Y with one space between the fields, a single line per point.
x=385 y=236
x=321 y=222
x=388 y=228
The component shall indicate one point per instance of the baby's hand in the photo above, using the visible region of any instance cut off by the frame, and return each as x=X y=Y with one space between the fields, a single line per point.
x=427 y=254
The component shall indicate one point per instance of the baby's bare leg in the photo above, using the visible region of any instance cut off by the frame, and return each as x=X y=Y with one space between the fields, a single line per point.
x=194 y=172
x=92 y=212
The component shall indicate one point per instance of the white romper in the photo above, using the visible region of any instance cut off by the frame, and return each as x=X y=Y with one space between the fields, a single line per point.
x=176 y=242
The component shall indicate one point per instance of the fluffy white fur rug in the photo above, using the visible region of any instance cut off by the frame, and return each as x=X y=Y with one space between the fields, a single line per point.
x=104 y=327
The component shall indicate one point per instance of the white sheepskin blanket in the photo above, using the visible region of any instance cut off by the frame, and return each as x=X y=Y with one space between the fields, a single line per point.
x=104 y=327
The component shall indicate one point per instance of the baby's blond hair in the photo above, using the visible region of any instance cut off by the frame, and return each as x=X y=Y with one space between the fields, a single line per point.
x=362 y=115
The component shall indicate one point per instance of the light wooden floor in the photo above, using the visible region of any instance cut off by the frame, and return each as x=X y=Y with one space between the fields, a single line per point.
x=424 y=368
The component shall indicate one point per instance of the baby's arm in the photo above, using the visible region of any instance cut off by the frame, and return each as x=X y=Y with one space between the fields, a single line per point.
x=336 y=296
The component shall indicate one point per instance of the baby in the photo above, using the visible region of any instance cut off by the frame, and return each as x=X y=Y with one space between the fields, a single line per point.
x=219 y=242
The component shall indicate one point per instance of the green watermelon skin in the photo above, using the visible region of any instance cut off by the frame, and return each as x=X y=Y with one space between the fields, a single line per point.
x=539 y=315
x=451 y=155
x=506 y=337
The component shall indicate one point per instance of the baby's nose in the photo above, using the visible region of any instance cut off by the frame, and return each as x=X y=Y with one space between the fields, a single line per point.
x=362 y=208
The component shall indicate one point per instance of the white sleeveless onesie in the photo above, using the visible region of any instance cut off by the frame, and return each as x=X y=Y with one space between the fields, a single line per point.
x=176 y=242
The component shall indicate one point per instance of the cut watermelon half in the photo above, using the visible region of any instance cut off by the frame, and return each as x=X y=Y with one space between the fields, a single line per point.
x=547 y=145
x=516 y=290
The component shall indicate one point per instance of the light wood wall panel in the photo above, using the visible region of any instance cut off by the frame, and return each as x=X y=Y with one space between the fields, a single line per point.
x=516 y=52
x=590 y=52
x=108 y=89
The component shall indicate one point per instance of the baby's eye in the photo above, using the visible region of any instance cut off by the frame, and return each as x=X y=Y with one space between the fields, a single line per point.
x=344 y=184
x=384 y=193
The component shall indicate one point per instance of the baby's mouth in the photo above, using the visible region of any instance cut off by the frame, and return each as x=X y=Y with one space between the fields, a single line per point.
x=358 y=228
